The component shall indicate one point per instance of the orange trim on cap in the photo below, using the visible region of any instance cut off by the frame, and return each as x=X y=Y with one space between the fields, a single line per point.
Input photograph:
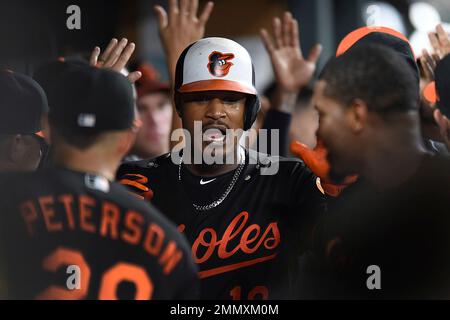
x=356 y=35
x=430 y=94
x=40 y=134
x=216 y=85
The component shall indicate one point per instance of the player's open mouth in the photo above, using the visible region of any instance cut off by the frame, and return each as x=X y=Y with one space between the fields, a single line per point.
x=214 y=133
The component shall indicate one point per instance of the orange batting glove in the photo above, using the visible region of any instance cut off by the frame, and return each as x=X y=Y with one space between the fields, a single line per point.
x=137 y=185
x=316 y=160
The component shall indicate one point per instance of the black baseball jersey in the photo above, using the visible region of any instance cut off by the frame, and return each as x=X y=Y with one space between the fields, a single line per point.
x=246 y=247
x=73 y=235
x=402 y=230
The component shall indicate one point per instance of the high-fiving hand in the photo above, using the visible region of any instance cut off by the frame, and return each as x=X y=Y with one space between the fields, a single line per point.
x=440 y=41
x=180 y=27
x=292 y=70
x=115 y=57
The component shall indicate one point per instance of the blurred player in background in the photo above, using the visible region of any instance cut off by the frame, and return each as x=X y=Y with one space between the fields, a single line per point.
x=435 y=83
x=155 y=110
x=23 y=107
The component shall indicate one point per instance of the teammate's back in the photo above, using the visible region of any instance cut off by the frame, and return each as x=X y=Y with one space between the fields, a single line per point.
x=70 y=232
x=121 y=247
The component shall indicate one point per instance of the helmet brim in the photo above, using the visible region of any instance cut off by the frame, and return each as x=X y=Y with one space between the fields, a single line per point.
x=216 y=85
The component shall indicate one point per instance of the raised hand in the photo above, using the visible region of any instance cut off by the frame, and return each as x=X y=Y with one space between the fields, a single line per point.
x=115 y=57
x=440 y=41
x=292 y=70
x=180 y=27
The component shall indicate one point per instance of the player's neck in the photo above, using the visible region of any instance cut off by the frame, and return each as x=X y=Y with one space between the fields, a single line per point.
x=214 y=170
x=85 y=161
x=392 y=162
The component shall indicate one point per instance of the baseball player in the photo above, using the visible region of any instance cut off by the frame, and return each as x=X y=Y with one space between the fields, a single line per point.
x=316 y=159
x=70 y=232
x=155 y=111
x=246 y=228
x=386 y=236
x=23 y=105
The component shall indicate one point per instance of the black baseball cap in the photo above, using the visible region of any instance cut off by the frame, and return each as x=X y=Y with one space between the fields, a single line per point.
x=382 y=36
x=442 y=83
x=48 y=74
x=22 y=104
x=92 y=100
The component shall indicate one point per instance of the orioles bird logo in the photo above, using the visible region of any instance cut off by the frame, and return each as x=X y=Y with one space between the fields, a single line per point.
x=219 y=63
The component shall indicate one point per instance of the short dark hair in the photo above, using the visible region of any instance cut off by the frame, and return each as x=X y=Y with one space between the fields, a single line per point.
x=79 y=140
x=375 y=74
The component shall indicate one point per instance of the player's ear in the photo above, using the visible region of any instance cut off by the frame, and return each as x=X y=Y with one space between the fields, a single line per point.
x=356 y=114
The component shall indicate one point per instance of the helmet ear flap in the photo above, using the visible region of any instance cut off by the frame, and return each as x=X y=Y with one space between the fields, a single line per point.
x=179 y=81
x=253 y=105
x=178 y=103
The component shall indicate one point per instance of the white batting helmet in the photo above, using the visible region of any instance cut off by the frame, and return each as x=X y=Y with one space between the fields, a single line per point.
x=217 y=64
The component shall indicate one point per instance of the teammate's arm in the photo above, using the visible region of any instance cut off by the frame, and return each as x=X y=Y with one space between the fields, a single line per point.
x=131 y=176
x=292 y=72
x=178 y=28
x=138 y=185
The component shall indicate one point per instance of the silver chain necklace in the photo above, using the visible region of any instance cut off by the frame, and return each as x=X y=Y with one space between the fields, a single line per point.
x=217 y=202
